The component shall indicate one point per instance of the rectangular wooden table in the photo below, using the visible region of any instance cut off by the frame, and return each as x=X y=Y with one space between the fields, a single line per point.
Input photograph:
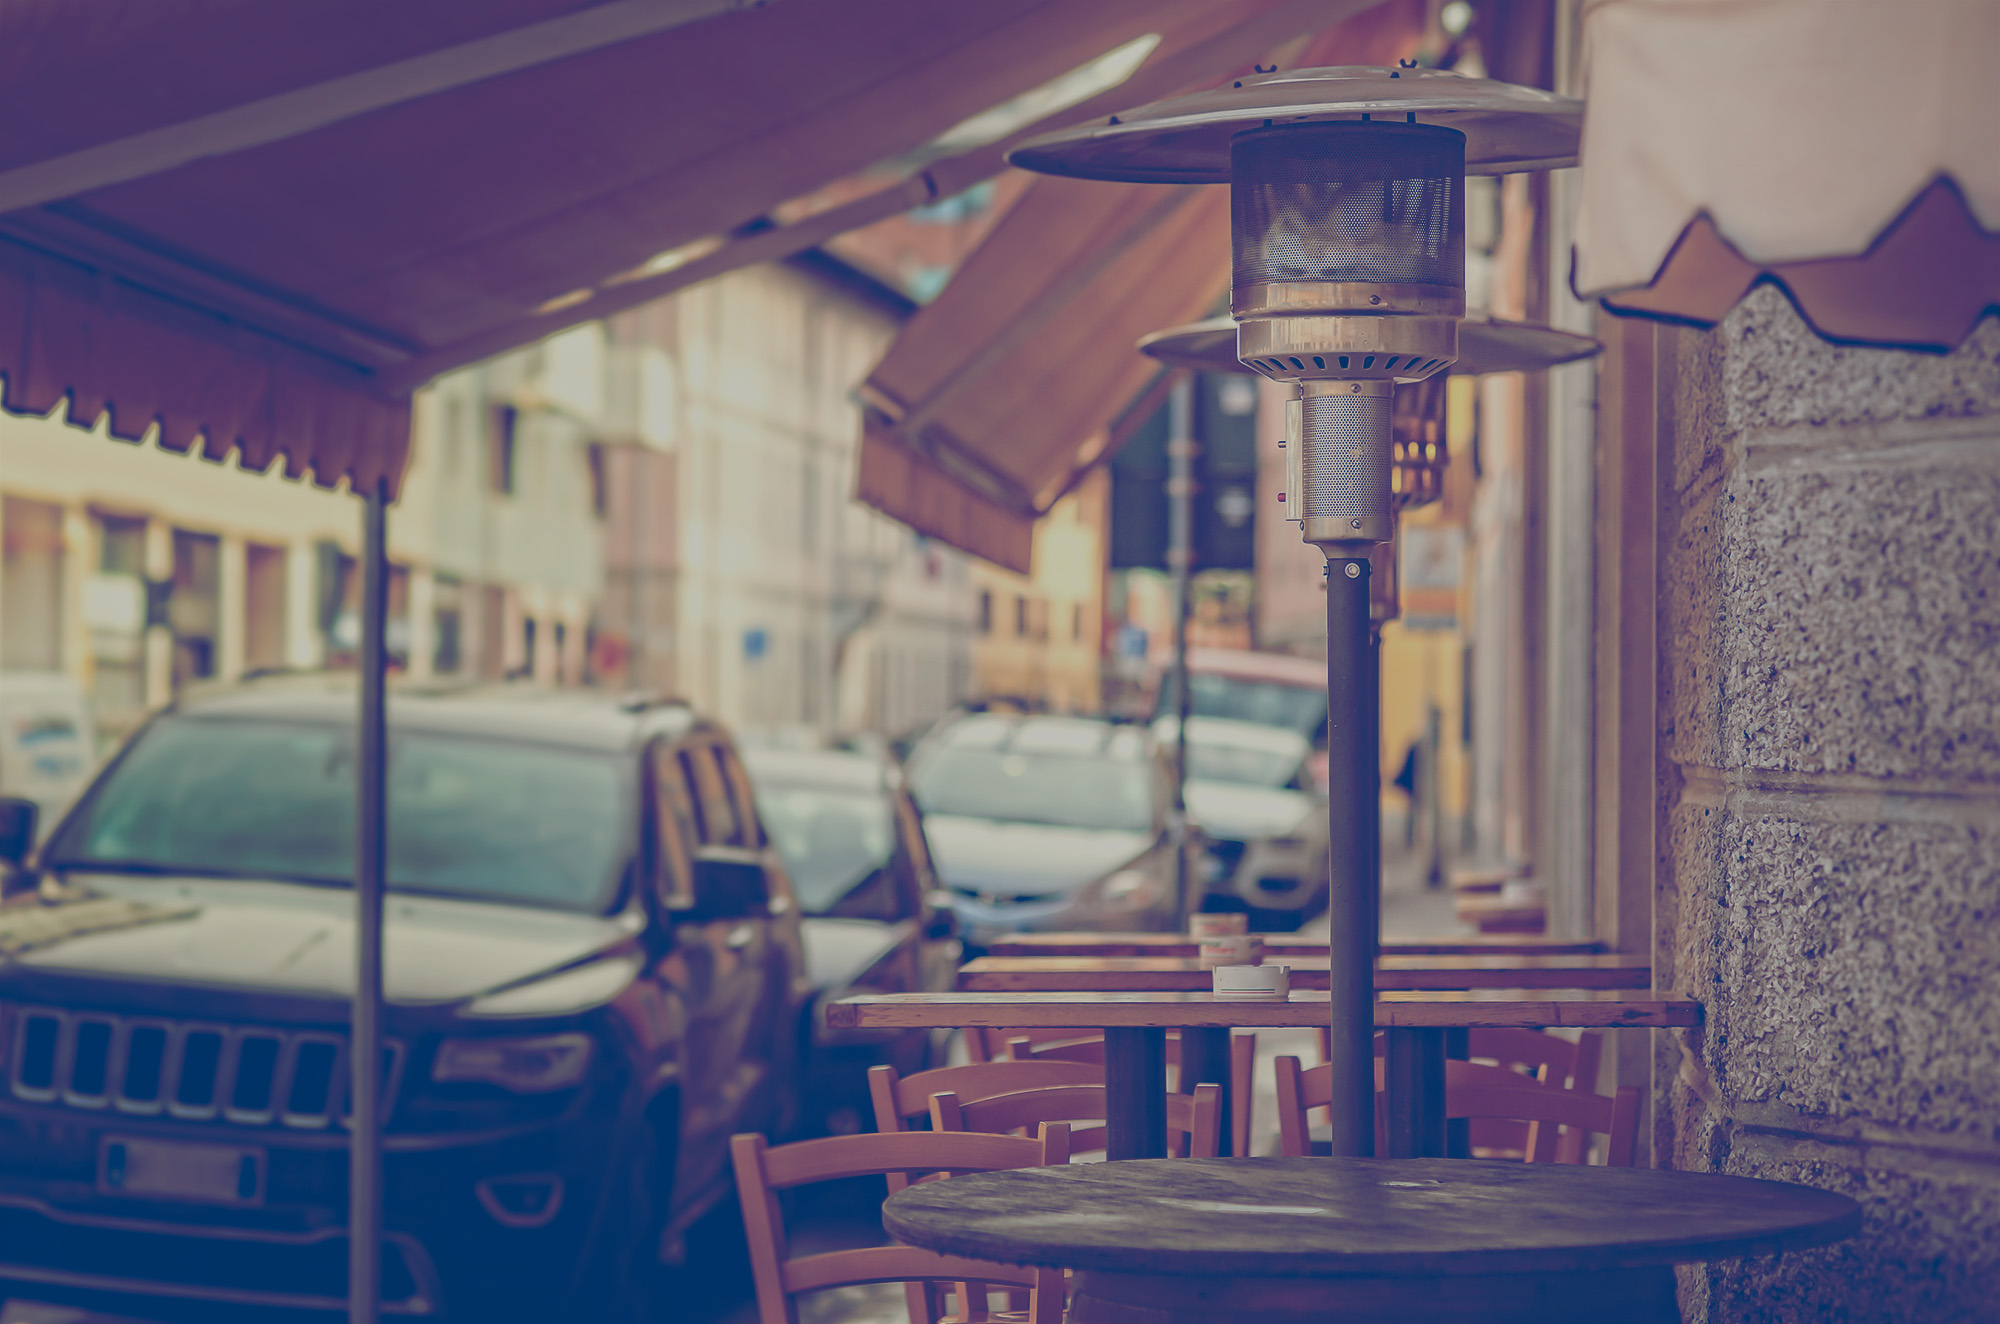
x=1176 y=974
x=1135 y=1025
x=1282 y=945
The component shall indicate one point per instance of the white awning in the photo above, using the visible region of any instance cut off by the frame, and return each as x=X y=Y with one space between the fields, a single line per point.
x=1844 y=148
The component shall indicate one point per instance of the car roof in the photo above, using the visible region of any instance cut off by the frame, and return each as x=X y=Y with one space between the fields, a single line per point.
x=1081 y=737
x=577 y=718
x=826 y=768
x=1274 y=668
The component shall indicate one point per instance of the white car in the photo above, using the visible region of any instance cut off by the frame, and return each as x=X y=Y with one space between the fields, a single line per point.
x=1249 y=790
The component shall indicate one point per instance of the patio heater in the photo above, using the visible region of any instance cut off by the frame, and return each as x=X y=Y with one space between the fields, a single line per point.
x=1348 y=276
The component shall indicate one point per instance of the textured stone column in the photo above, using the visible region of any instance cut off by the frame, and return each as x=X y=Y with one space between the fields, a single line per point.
x=1830 y=804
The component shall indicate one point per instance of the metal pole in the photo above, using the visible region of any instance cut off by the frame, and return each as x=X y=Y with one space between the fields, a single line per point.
x=1354 y=822
x=1181 y=447
x=364 y=1167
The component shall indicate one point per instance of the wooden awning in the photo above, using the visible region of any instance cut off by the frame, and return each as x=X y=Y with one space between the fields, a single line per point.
x=999 y=396
x=263 y=226
x=1843 y=151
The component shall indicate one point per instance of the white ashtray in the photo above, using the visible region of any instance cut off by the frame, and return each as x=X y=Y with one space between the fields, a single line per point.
x=1252 y=982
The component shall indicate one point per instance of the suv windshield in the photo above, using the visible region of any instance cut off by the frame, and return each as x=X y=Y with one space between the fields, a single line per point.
x=1267 y=703
x=831 y=841
x=488 y=819
x=1067 y=790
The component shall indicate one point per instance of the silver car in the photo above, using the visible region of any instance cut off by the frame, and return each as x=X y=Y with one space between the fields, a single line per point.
x=1247 y=790
x=1047 y=823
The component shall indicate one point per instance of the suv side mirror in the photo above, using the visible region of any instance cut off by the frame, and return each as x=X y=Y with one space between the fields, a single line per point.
x=729 y=884
x=17 y=829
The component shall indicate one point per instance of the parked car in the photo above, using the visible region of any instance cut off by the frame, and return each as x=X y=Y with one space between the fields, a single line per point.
x=1048 y=823
x=872 y=917
x=1246 y=685
x=1251 y=789
x=594 y=977
x=47 y=741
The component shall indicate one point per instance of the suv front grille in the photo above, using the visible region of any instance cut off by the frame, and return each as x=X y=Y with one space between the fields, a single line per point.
x=144 y=1066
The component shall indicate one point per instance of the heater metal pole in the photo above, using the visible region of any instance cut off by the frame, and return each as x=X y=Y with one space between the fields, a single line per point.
x=1354 y=822
x=1180 y=555
x=364 y=1168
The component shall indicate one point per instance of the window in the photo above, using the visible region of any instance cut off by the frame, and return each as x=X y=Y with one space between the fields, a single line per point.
x=1076 y=622
x=31 y=585
x=503 y=423
x=674 y=822
x=593 y=457
x=527 y=667
x=195 y=605
x=1020 y=616
x=985 y=612
x=447 y=625
x=263 y=607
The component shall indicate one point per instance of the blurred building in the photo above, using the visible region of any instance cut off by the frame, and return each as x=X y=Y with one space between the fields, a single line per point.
x=1039 y=637
x=738 y=570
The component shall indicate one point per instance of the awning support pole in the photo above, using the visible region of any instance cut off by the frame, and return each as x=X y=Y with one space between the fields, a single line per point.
x=1354 y=825
x=364 y=1218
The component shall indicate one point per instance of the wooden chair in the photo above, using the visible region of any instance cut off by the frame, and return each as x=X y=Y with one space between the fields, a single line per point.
x=1194 y=1121
x=1068 y=1046
x=1477 y=1090
x=898 y=1098
x=763 y=1171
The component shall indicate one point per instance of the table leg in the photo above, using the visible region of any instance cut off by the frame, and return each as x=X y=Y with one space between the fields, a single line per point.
x=1414 y=1074
x=1205 y=1061
x=1457 y=1130
x=1135 y=1092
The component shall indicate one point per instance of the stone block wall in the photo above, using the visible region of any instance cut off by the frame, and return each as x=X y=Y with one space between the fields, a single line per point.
x=1829 y=882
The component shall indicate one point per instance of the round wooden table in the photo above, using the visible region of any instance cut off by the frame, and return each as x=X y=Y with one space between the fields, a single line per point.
x=1364 y=1241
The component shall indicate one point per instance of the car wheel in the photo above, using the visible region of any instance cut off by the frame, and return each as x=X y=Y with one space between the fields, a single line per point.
x=623 y=1284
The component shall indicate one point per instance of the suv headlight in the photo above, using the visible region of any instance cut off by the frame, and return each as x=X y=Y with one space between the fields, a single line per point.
x=529 y=1064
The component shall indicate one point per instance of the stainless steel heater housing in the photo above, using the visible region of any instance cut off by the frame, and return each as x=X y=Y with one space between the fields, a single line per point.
x=1347 y=208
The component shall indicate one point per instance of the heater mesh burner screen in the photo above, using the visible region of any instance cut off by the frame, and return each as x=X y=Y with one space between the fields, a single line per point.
x=1376 y=204
x=1345 y=456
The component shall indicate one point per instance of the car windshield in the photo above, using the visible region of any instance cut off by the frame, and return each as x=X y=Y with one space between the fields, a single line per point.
x=494 y=820
x=1267 y=703
x=1066 y=790
x=1211 y=762
x=832 y=841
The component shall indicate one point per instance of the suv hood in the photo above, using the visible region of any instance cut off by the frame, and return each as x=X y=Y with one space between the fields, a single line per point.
x=1026 y=859
x=1246 y=813
x=299 y=939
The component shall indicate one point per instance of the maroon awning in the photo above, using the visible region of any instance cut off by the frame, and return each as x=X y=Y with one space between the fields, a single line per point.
x=264 y=225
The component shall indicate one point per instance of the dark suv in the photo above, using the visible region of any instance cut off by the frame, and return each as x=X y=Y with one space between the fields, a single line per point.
x=594 y=977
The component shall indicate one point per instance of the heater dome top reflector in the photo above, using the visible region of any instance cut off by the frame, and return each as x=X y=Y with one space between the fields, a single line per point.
x=1186 y=140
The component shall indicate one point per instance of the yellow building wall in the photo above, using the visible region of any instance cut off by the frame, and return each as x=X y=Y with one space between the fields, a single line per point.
x=1038 y=636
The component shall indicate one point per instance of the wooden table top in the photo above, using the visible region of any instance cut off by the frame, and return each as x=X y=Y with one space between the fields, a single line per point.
x=1282 y=944
x=1478 y=1008
x=1332 y=1217
x=1177 y=974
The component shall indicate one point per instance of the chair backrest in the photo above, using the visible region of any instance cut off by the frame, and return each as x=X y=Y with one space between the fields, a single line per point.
x=1477 y=1090
x=990 y=1044
x=1194 y=1122
x=1552 y=1058
x=763 y=1171
x=897 y=1098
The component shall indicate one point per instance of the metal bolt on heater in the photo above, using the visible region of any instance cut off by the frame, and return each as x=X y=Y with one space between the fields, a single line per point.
x=1348 y=275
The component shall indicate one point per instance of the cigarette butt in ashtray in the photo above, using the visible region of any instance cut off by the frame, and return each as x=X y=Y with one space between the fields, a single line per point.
x=1203 y=927
x=1231 y=949
x=1252 y=981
